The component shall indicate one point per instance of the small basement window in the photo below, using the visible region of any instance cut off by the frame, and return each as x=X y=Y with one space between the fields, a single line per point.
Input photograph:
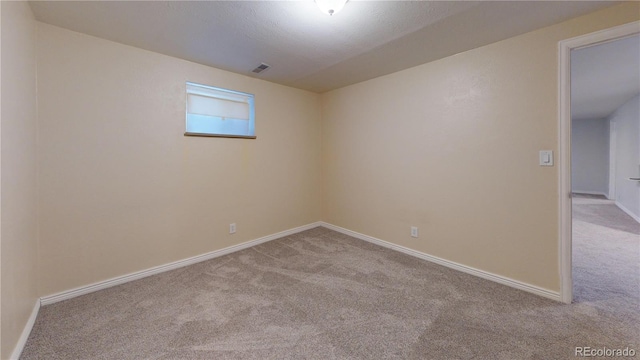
x=213 y=111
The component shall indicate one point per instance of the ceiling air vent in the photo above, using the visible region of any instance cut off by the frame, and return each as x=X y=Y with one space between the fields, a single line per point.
x=261 y=68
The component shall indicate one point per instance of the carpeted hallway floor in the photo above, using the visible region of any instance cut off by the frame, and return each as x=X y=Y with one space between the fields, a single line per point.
x=323 y=295
x=606 y=254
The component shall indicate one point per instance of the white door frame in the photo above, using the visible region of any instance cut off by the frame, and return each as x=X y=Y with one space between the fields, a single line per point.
x=564 y=141
x=613 y=141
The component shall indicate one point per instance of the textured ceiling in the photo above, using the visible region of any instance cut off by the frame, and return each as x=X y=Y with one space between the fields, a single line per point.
x=603 y=77
x=306 y=48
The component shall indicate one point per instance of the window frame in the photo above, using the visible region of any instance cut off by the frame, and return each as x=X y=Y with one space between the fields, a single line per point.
x=250 y=100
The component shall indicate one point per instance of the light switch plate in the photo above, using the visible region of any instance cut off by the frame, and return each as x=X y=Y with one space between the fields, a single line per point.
x=546 y=157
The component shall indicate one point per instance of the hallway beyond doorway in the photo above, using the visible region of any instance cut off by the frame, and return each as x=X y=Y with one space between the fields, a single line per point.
x=606 y=253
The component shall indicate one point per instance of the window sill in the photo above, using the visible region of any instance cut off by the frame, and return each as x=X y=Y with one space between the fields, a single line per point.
x=220 y=135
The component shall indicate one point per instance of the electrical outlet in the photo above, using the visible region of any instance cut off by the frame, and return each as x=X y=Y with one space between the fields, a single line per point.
x=414 y=231
x=232 y=228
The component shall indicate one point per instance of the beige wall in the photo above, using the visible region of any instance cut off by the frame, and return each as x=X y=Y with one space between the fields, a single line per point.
x=452 y=147
x=123 y=190
x=18 y=172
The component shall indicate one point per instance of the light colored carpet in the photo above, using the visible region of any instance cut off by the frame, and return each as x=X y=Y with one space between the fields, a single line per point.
x=606 y=255
x=323 y=295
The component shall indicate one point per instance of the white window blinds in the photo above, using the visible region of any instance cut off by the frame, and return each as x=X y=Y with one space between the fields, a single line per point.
x=202 y=105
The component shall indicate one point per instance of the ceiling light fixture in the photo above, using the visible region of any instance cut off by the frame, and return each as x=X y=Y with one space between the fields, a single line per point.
x=330 y=7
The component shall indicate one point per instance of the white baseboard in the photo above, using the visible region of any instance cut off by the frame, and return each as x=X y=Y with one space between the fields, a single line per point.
x=450 y=264
x=605 y=194
x=629 y=212
x=50 y=299
x=22 y=341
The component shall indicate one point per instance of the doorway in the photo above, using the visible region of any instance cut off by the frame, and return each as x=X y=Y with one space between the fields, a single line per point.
x=586 y=107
